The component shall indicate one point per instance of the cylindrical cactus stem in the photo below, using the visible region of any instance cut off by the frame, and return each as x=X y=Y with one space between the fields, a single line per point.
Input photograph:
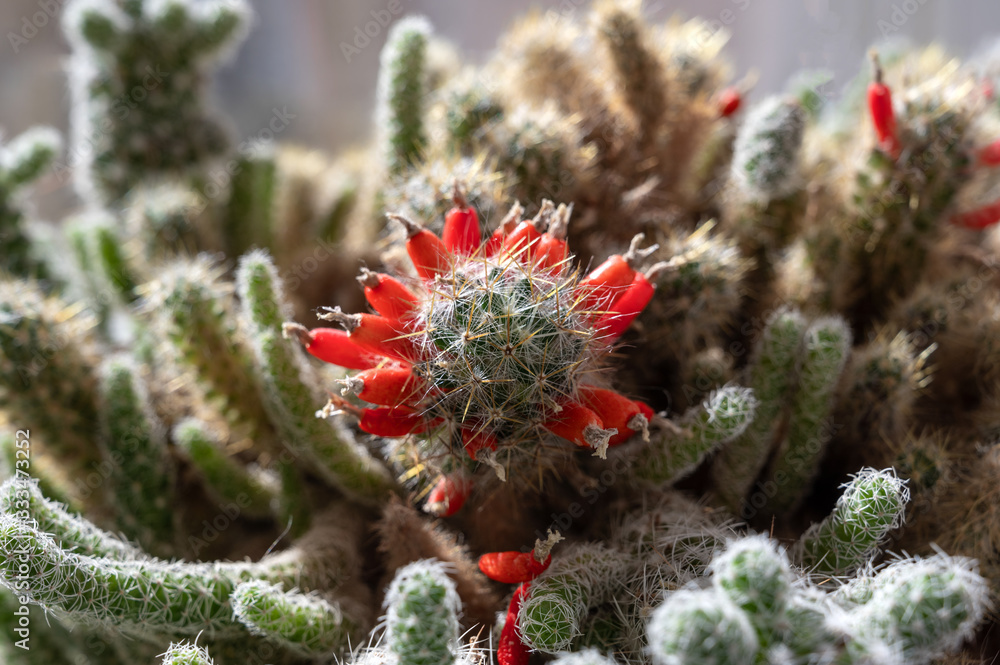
x=925 y=608
x=249 y=210
x=114 y=263
x=827 y=345
x=580 y=577
x=48 y=376
x=766 y=150
x=640 y=74
x=21 y=161
x=24 y=500
x=757 y=577
x=160 y=597
x=670 y=454
x=872 y=505
x=401 y=90
x=198 y=311
x=422 y=608
x=185 y=653
x=168 y=129
x=307 y=625
x=225 y=477
x=135 y=445
x=771 y=376
x=151 y=596
x=701 y=628
x=291 y=393
x=875 y=403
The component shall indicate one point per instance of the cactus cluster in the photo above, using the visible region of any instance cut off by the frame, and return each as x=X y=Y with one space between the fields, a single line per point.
x=765 y=306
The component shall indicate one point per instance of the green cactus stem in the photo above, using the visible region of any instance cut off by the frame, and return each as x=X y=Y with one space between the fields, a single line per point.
x=872 y=505
x=771 y=377
x=401 y=90
x=139 y=78
x=291 y=394
x=422 y=608
x=671 y=454
x=306 y=625
x=142 y=471
x=22 y=161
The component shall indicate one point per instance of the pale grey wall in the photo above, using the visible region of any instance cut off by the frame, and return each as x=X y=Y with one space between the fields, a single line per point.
x=293 y=56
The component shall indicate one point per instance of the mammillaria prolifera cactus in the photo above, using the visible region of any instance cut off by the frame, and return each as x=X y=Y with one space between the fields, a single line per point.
x=494 y=354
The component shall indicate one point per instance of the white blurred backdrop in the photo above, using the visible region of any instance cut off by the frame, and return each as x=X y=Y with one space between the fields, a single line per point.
x=294 y=58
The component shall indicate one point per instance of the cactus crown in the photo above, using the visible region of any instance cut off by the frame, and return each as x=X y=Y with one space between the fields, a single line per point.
x=495 y=346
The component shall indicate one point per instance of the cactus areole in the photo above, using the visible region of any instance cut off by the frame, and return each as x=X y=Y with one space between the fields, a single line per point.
x=495 y=347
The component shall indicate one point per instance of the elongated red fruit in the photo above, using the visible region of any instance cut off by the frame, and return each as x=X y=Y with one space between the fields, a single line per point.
x=980 y=218
x=510 y=221
x=333 y=346
x=578 y=424
x=614 y=410
x=475 y=441
x=513 y=567
x=730 y=101
x=990 y=155
x=511 y=650
x=375 y=333
x=448 y=496
x=386 y=421
x=461 y=232
x=522 y=240
x=428 y=253
x=390 y=385
x=881 y=112
x=551 y=251
x=629 y=305
x=602 y=287
x=387 y=295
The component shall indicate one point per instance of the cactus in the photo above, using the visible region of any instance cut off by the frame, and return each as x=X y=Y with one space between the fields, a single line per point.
x=488 y=355
x=767 y=149
x=836 y=261
x=826 y=344
x=695 y=627
x=138 y=86
x=289 y=391
x=228 y=479
x=402 y=87
x=724 y=416
x=871 y=506
x=184 y=653
x=772 y=377
x=422 y=610
x=581 y=579
x=134 y=442
x=22 y=161
x=917 y=610
x=309 y=626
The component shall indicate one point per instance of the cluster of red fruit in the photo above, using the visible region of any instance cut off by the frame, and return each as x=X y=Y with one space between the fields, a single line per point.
x=392 y=348
x=884 y=121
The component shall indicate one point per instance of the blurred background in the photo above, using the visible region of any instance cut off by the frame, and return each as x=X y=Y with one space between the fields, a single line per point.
x=310 y=59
